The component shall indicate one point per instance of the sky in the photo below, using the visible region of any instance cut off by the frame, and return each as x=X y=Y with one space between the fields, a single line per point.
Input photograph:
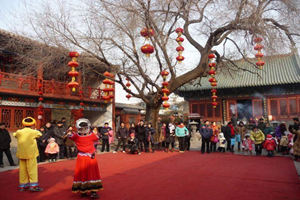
x=8 y=20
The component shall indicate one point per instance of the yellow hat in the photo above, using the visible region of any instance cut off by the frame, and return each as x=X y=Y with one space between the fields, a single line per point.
x=28 y=121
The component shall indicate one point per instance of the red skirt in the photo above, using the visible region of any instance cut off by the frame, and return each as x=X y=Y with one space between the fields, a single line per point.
x=87 y=176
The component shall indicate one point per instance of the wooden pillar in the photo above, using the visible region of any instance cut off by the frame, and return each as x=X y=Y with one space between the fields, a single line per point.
x=40 y=78
x=265 y=108
x=224 y=112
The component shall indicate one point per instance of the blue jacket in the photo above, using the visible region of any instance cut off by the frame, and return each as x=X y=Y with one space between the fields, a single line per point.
x=181 y=131
x=206 y=132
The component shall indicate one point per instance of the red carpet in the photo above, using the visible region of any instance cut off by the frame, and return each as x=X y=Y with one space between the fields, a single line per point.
x=188 y=176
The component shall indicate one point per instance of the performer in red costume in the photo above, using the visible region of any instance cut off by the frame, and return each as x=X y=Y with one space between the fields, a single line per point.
x=87 y=178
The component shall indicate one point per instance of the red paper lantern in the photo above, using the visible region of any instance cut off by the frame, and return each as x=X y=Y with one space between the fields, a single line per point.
x=81 y=103
x=258 y=40
x=151 y=32
x=258 y=47
x=147 y=49
x=107 y=74
x=166 y=105
x=179 y=58
x=213 y=84
x=128 y=84
x=259 y=55
x=212 y=64
x=214 y=103
x=108 y=89
x=106 y=98
x=40 y=93
x=214 y=96
x=165 y=84
x=165 y=98
x=179 y=30
x=179 y=40
x=41 y=99
x=180 y=48
x=40 y=113
x=73 y=64
x=212 y=72
x=128 y=96
x=73 y=73
x=260 y=63
x=73 y=54
x=213 y=90
x=73 y=85
x=211 y=56
x=165 y=90
x=212 y=80
x=164 y=73
x=144 y=32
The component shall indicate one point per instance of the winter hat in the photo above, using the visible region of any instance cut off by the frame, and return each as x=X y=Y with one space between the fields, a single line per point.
x=28 y=121
x=52 y=139
x=269 y=136
x=221 y=135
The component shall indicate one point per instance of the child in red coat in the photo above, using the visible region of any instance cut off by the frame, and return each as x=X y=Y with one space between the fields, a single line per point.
x=270 y=145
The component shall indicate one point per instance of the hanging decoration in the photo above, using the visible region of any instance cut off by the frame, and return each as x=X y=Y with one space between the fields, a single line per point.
x=41 y=99
x=108 y=87
x=147 y=48
x=180 y=48
x=73 y=73
x=165 y=89
x=212 y=79
x=258 y=47
x=128 y=84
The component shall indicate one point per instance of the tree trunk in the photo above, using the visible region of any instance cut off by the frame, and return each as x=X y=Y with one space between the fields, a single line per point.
x=151 y=116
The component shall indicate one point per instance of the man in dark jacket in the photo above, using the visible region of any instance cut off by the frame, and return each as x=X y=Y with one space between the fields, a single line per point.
x=228 y=135
x=5 y=145
x=105 y=137
x=206 y=133
x=141 y=134
x=122 y=135
x=149 y=132
x=59 y=133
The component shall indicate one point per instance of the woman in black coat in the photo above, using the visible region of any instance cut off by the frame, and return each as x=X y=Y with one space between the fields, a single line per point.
x=149 y=138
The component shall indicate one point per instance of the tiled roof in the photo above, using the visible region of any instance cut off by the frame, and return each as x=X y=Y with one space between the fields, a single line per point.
x=278 y=70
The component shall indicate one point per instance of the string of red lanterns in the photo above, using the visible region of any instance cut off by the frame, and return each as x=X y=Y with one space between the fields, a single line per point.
x=180 y=48
x=258 y=47
x=73 y=73
x=108 y=87
x=147 y=48
x=212 y=79
x=165 y=89
x=128 y=84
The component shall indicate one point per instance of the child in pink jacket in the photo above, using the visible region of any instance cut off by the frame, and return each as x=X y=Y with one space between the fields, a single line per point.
x=52 y=150
x=247 y=144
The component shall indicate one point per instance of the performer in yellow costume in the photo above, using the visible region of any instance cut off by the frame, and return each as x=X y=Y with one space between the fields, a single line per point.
x=27 y=152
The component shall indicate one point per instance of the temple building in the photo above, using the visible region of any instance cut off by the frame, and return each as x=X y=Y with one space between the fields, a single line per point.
x=246 y=92
x=24 y=64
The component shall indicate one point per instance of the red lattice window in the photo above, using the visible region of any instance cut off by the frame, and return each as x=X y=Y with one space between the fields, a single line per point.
x=202 y=109
x=29 y=113
x=293 y=106
x=47 y=116
x=18 y=118
x=209 y=110
x=218 y=110
x=273 y=107
x=283 y=107
x=6 y=117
